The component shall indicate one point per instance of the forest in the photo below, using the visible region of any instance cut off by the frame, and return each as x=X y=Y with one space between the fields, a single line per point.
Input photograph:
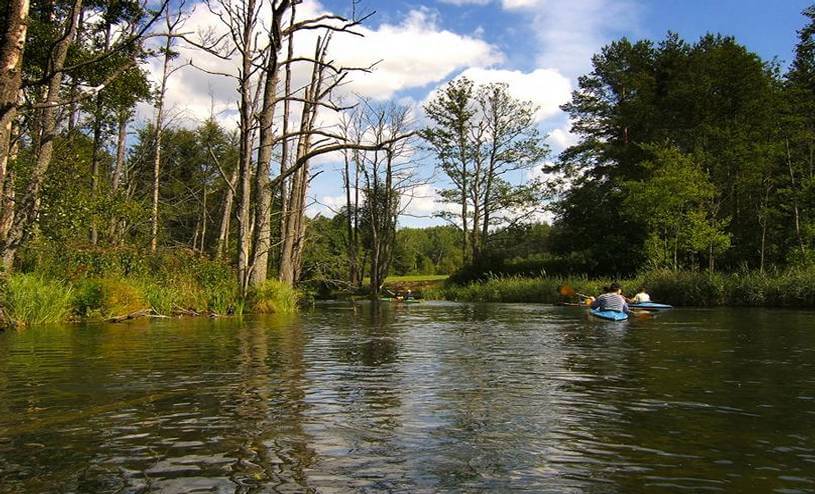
x=691 y=156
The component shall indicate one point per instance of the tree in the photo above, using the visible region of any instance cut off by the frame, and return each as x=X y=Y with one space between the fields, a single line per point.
x=675 y=204
x=713 y=100
x=388 y=178
x=56 y=54
x=172 y=23
x=799 y=136
x=15 y=31
x=480 y=136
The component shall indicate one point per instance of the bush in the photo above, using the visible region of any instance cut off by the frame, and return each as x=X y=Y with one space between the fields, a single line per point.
x=108 y=297
x=223 y=298
x=30 y=299
x=274 y=296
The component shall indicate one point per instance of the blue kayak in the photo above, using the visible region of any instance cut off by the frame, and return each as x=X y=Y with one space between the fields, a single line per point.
x=609 y=315
x=650 y=306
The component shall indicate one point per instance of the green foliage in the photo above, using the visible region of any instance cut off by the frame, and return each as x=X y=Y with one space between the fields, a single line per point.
x=632 y=198
x=274 y=296
x=31 y=299
x=108 y=297
x=433 y=250
x=518 y=289
x=686 y=287
x=674 y=204
x=790 y=288
x=116 y=281
x=325 y=256
x=162 y=298
x=479 y=136
x=66 y=261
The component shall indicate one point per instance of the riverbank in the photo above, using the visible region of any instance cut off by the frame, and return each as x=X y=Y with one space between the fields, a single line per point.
x=118 y=284
x=791 y=288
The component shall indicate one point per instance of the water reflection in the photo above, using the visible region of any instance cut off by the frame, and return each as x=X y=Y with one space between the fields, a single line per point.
x=416 y=398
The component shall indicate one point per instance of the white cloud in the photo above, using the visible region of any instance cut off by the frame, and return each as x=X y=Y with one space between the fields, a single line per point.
x=546 y=88
x=333 y=204
x=466 y=2
x=420 y=201
x=561 y=138
x=519 y=4
x=571 y=31
x=413 y=53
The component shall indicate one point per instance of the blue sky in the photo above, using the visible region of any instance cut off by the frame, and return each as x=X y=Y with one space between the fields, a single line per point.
x=539 y=47
x=768 y=28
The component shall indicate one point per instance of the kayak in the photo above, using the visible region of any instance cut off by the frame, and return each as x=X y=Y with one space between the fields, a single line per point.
x=650 y=306
x=609 y=315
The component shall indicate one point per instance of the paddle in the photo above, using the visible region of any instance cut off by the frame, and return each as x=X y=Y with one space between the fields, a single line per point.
x=567 y=291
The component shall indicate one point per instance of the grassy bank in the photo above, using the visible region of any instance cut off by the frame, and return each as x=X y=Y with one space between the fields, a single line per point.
x=102 y=284
x=792 y=288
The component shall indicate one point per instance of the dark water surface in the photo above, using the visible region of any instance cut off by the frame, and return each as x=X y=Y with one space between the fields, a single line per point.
x=422 y=398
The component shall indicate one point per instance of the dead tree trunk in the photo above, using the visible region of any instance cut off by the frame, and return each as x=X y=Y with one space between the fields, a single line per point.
x=158 y=130
x=293 y=232
x=245 y=108
x=226 y=216
x=263 y=190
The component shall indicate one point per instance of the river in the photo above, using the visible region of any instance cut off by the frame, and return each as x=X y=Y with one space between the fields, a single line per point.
x=420 y=398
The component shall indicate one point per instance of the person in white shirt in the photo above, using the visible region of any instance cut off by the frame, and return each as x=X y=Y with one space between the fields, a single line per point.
x=640 y=297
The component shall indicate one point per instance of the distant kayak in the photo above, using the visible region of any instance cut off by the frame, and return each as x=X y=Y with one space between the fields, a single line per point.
x=400 y=300
x=650 y=306
x=609 y=315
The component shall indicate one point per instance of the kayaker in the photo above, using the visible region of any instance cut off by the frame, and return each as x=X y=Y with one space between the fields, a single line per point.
x=409 y=295
x=611 y=300
x=640 y=297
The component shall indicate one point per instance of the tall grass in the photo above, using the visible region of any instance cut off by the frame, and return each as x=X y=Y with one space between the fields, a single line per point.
x=273 y=296
x=791 y=288
x=31 y=299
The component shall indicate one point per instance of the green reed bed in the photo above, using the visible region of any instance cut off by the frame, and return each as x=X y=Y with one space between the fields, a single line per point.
x=30 y=299
x=273 y=296
x=791 y=288
x=94 y=284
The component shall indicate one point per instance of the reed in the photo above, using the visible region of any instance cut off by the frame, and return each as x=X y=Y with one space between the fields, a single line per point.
x=30 y=299
x=273 y=296
x=790 y=288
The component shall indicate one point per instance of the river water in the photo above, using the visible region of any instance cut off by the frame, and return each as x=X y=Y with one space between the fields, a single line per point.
x=420 y=398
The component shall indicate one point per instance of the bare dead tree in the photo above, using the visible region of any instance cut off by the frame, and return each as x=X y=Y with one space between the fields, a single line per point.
x=172 y=23
x=389 y=179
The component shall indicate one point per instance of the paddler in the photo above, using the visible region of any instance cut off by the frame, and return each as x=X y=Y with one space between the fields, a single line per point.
x=611 y=300
x=641 y=297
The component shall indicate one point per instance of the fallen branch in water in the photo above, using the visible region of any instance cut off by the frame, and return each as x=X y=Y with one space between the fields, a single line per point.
x=137 y=314
x=180 y=311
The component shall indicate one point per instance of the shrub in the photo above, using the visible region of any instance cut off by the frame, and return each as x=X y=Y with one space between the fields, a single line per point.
x=31 y=299
x=223 y=298
x=273 y=296
x=108 y=297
